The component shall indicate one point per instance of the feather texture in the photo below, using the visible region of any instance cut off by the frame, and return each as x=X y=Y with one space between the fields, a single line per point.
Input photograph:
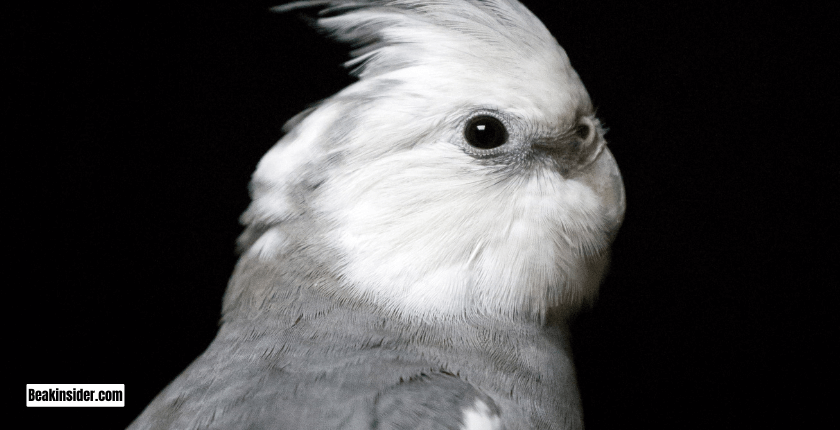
x=395 y=272
x=382 y=174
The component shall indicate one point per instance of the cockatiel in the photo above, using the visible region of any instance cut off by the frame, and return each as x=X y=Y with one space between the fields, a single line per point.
x=416 y=241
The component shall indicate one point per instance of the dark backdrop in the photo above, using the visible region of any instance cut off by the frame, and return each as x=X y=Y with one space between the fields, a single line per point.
x=140 y=126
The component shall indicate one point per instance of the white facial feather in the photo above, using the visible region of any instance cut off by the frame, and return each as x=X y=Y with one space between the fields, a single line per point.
x=420 y=221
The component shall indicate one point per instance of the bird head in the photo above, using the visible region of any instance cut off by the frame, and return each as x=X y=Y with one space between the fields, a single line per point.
x=463 y=173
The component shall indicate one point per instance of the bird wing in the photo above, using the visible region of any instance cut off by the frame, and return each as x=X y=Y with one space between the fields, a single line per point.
x=267 y=390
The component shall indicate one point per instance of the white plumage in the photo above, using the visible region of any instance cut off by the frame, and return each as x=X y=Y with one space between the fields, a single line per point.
x=463 y=181
x=408 y=205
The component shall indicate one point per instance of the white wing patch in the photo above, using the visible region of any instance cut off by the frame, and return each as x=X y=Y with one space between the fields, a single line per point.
x=479 y=417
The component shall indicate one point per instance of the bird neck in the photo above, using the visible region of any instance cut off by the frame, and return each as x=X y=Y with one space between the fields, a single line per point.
x=290 y=285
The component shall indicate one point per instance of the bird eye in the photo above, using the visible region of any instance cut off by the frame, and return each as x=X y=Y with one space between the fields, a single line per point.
x=485 y=132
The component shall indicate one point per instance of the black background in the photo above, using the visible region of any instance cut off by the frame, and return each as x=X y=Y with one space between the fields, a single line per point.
x=140 y=126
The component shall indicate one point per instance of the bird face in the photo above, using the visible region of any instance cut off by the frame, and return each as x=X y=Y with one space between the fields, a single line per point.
x=464 y=173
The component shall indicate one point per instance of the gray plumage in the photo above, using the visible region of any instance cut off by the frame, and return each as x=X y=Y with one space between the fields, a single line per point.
x=394 y=274
x=309 y=361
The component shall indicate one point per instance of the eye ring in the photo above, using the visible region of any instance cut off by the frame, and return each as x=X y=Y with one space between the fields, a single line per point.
x=485 y=132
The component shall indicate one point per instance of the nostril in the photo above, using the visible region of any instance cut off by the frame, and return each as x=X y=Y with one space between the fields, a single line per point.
x=587 y=130
x=583 y=131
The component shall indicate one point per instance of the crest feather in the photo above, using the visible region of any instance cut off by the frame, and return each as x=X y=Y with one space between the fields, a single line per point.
x=389 y=35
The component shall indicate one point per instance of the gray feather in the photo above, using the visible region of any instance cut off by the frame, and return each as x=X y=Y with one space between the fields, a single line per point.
x=310 y=361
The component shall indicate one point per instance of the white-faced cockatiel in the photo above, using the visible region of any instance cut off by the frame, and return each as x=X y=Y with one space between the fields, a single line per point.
x=416 y=241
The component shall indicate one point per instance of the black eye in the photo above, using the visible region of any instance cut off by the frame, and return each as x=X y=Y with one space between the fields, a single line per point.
x=485 y=132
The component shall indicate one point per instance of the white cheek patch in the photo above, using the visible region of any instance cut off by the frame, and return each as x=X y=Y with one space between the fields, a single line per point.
x=428 y=232
x=479 y=417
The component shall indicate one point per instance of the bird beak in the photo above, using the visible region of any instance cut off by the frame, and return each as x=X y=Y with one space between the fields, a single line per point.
x=604 y=178
x=582 y=155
